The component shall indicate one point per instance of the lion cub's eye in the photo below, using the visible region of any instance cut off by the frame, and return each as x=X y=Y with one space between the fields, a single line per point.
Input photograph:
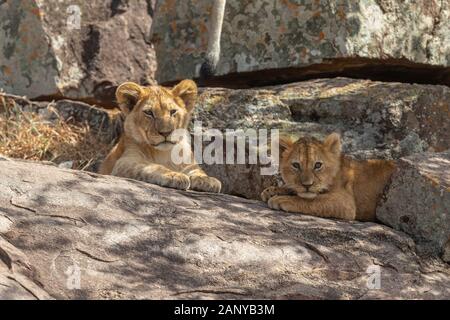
x=172 y=112
x=296 y=166
x=318 y=166
x=149 y=113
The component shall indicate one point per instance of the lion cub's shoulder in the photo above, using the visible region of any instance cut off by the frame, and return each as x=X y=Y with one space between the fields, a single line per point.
x=370 y=177
x=116 y=152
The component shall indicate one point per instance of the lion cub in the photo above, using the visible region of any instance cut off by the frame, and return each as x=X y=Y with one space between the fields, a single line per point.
x=322 y=182
x=144 y=150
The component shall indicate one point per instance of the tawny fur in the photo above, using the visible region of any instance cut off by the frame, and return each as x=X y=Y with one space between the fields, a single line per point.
x=144 y=150
x=341 y=188
x=108 y=164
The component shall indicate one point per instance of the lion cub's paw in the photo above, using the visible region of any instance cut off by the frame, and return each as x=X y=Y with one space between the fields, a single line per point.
x=176 y=180
x=285 y=203
x=205 y=183
x=269 y=193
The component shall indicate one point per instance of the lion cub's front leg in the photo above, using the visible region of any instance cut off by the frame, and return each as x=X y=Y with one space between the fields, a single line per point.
x=341 y=206
x=274 y=191
x=151 y=173
x=200 y=181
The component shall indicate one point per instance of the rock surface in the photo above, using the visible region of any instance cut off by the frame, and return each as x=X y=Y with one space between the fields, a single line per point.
x=74 y=49
x=375 y=119
x=267 y=35
x=67 y=234
x=418 y=201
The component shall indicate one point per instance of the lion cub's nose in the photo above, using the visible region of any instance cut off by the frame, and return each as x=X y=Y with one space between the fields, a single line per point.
x=307 y=184
x=165 y=134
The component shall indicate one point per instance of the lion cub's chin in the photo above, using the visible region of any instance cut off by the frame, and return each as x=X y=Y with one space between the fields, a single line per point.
x=307 y=195
x=165 y=146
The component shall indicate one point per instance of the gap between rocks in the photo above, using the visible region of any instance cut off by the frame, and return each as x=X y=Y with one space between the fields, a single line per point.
x=385 y=70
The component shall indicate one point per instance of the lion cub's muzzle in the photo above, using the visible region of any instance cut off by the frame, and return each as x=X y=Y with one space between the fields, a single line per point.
x=167 y=141
x=165 y=134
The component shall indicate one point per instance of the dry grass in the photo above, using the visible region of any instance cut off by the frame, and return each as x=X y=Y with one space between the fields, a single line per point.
x=26 y=135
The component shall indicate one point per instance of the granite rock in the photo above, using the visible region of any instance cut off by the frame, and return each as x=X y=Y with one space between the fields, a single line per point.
x=75 y=49
x=418 y=201
x=74 y=235
x=267 y=35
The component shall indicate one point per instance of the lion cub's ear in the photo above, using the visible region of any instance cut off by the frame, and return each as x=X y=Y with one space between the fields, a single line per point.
x=285 y=142
x=127 y=95
x=186 y=90
x=333 y=143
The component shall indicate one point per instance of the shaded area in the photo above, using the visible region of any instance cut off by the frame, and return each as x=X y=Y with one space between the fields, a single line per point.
x=130 y=239
x=389 y=70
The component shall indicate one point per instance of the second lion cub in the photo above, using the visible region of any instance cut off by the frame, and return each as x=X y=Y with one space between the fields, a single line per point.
x=320 y=181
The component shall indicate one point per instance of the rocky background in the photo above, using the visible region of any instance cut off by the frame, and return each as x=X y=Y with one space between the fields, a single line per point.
x=75 y=49
x=266 y=42
x=378 y=72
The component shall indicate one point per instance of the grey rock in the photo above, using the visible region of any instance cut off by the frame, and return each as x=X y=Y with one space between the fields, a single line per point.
x=66 y=165
x=265 y=35
x=75 y=49
x=446 y=252
x=418 y=201
x=81 y=235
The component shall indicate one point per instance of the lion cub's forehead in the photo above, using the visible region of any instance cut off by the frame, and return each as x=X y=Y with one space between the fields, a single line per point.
x=157 y=96
x=307 y=147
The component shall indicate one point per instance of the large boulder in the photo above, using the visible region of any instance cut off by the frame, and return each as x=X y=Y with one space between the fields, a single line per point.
x=68 y=234
x=320 y=37
x=74 y=49
x=376 y=120
x=418 y=201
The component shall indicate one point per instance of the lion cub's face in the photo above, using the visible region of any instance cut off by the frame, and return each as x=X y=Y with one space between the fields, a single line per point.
x=309 y=166
x=153 y=113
